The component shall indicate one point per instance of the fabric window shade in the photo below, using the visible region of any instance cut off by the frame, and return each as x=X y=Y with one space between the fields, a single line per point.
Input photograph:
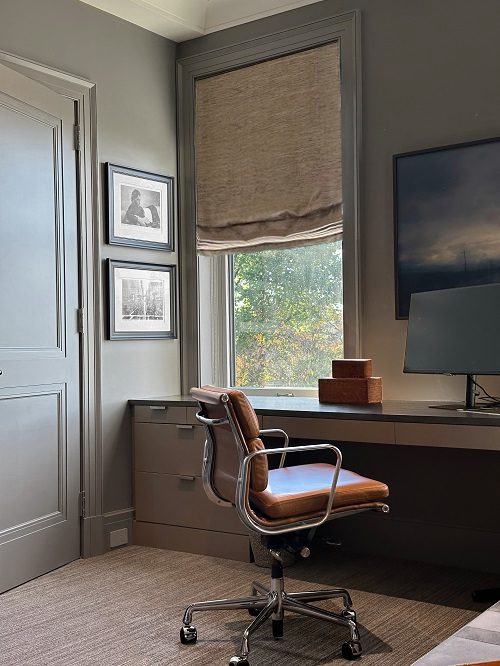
x=268 y=154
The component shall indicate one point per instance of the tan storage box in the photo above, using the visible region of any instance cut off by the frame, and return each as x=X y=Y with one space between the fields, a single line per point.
x=348 y=391
x=352 y=367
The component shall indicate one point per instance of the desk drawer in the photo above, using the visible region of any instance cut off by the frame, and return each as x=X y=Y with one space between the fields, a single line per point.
x=159 y=414
x=191 y=415
x=380 y=432
x=168 y=448
x=172 y=500
x=448 y=436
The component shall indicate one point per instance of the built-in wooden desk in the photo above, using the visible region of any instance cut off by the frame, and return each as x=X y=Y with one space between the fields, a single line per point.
x=393 y=422
x=442 y=467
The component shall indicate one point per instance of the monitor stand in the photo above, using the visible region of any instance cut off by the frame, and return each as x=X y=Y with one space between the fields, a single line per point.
x=470 y=398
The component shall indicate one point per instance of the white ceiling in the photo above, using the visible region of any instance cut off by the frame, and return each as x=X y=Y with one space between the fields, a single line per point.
x=180 y=20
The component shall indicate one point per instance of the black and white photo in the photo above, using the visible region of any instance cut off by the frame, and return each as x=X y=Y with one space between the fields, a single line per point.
x=141 y=300
x=140 y=208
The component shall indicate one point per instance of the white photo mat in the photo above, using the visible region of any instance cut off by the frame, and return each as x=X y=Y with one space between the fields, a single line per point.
x=124 y=185
x=140 y=208
x=142 y=300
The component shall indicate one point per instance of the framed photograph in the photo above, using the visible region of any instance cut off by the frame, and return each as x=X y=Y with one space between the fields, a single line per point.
x=142 y=302
x=446 y=219
x=140 y=208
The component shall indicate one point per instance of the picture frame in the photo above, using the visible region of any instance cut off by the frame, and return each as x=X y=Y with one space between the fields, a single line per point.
x=141 y=300
x=446 y=218
x=140 y=208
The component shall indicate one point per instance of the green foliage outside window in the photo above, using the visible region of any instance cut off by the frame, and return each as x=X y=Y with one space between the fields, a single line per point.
x=287 y=315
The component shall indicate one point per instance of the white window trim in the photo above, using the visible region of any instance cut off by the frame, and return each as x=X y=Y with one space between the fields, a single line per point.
x=214 y=320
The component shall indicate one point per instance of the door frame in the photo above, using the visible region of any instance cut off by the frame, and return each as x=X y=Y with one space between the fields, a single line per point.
x=83 y=94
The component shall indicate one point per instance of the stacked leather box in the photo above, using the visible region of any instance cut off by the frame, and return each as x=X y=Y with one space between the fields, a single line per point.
x=351 y=383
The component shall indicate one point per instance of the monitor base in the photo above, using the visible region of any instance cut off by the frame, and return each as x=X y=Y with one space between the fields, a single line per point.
x=452 y=406
x=460 y=407
x=470 y=397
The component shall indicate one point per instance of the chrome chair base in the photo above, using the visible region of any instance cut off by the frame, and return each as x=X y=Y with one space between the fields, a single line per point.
x=271 y=604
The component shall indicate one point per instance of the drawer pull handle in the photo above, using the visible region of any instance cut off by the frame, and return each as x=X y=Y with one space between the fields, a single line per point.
x=158 y=408
x=184 y=477
x=184 y=427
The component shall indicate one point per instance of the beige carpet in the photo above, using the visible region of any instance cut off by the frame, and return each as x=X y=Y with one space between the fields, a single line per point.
x=125 y=609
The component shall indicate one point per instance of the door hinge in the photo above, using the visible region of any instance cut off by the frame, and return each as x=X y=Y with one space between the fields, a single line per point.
x=83 y=508
x=80 y=313
x=76 y=137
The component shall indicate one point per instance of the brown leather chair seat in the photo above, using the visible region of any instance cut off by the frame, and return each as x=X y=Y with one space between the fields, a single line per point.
x=301 y=490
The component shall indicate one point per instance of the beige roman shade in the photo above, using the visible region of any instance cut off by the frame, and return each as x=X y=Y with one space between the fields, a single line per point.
x=268 y=154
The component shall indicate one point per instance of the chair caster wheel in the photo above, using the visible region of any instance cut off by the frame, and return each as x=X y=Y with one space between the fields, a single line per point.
x=278 y=628
x=351 y=650
x=189 y=635
x=254 y=611
x=238 y=661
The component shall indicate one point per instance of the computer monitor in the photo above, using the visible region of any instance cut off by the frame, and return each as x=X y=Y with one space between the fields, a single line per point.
x=455 y=332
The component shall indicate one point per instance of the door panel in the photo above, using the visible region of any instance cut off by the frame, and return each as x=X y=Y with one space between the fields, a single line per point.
x=30 y=301
x=39 y=340
x=29 y=418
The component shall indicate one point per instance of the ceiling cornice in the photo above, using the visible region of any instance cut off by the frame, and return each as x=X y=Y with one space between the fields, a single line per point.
x=181 y=20
x=178 y=20
x=222 y=14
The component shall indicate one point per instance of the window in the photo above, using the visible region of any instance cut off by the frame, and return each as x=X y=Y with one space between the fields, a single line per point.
x=287 y=316
x=268 y=211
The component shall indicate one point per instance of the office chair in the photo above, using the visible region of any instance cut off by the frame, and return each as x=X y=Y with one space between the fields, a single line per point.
x=282 y=505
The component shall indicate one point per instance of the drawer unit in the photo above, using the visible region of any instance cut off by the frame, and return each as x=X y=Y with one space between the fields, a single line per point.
x=159 y=414
x=171 y=508
x=181 y=500
x=169 y=448
x=191 y=415
x=190 y=540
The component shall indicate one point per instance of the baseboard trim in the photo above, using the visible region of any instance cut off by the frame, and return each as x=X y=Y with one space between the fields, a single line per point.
x=96 y=530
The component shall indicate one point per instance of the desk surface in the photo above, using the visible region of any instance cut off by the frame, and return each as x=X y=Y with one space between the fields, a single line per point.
x=389 y=410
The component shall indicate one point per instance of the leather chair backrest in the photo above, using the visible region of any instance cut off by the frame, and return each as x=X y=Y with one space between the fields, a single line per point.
x=226 y=454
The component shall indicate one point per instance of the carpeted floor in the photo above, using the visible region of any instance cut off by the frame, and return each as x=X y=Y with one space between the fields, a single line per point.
x=125 y=608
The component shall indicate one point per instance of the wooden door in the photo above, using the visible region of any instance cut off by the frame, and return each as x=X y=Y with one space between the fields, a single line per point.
x=39 y=339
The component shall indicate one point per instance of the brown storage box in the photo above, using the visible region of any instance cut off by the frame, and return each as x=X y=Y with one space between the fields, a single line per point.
x=348 y=391
x=352 y=367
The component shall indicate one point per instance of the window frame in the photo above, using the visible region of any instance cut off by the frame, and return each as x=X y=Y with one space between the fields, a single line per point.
x=346 y=29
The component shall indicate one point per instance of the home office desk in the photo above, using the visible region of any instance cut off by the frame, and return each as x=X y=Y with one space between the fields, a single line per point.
x=443 y=469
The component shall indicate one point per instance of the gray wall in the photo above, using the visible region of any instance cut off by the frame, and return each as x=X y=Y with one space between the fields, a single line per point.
x=134 y=73
x=430 y=73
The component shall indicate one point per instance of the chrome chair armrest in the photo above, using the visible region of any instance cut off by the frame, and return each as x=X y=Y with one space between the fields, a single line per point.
x=242 y=486
x=269 y=431
x=211 y=422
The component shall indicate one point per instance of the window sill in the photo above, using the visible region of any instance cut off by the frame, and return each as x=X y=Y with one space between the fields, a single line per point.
x=279 y=391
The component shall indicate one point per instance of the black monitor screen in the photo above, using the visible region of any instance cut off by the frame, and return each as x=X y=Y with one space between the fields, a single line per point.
x=454 y=331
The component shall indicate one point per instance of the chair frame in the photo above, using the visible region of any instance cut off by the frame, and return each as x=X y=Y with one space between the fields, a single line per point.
x=271 y=602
